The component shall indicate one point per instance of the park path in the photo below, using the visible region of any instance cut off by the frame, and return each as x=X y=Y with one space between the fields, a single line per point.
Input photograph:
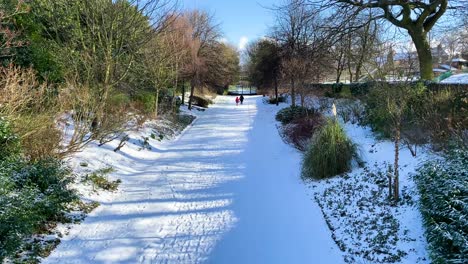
x=227 y=191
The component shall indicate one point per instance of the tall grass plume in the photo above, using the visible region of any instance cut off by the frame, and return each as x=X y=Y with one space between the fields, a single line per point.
x=330 y=153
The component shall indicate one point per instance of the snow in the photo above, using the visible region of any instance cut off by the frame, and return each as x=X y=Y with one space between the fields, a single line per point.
x=227 y=190
x=457 y=79
x=364 y=223
x=459 y=60
x=448 y=67
x=360 y=227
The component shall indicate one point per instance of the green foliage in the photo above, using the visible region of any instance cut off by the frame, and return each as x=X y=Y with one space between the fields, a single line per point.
x=147 y=100
x=443 y=186
x=337 y=88
x=31 y=194
x=289 y=114
x=341 y=90
x=390 y=106
x=330 y=153
x=378 y=118
x=43 y=56
x=436 y=115
x=119 y=99
x=41 y=29
x=264 y=63
x=9 y=142
x=360 y=89
x=99 y=179
x=445 y=115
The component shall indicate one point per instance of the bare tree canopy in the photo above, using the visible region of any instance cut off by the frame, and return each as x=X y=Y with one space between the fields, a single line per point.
x=417 y=17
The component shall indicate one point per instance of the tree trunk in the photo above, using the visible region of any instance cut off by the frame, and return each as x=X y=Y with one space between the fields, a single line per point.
x=340 y=66
x=156 y=104
x=389 y=175
x=176 y=85
x=192 y=90
x=276 y=89
x=338 y=76
x=396 y=188
x=293 y=93
x=302 y=94
x=424 y=54
x=357 y=72
x=183 y=94
x=350 y=71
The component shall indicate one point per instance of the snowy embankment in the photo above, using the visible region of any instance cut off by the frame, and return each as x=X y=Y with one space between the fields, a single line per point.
x=227 y=190
x=365 y=224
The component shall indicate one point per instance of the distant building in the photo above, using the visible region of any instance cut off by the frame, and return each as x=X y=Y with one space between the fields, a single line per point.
x=405 y=64
x=459 y=64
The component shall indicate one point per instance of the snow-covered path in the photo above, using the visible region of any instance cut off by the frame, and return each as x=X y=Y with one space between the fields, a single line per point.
x=227 y=191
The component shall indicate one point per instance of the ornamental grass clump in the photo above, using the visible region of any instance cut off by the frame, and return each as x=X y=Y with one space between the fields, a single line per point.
x=330 y=153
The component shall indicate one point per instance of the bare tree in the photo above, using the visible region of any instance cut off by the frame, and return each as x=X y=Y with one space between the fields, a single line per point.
x=201 y=34
x=111 y=34
x=294 y=31
x=104 y=41
x=178 y=40
x=415 y=16
x=339 y=53
x=453 y=42
x=158 y=57
x=363 y=48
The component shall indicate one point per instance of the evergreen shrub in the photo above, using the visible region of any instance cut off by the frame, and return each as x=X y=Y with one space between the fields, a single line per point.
x=443 y=186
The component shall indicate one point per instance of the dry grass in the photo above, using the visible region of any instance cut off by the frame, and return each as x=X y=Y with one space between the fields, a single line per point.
x=31 y=107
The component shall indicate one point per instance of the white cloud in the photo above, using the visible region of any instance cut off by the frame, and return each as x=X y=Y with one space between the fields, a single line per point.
x=243 y=42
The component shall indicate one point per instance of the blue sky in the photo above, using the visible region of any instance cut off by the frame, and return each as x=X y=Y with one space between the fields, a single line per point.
x=240 y=20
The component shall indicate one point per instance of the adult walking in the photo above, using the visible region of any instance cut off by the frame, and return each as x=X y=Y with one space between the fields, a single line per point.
x=241 y=99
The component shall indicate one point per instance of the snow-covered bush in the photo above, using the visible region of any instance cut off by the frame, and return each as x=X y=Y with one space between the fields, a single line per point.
x=281 y=99
x=289 y=114
x=443 y=186
x=351 y=111
x=330 y=153
x=300 y=131
x=18 y=215
x=31 y=193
